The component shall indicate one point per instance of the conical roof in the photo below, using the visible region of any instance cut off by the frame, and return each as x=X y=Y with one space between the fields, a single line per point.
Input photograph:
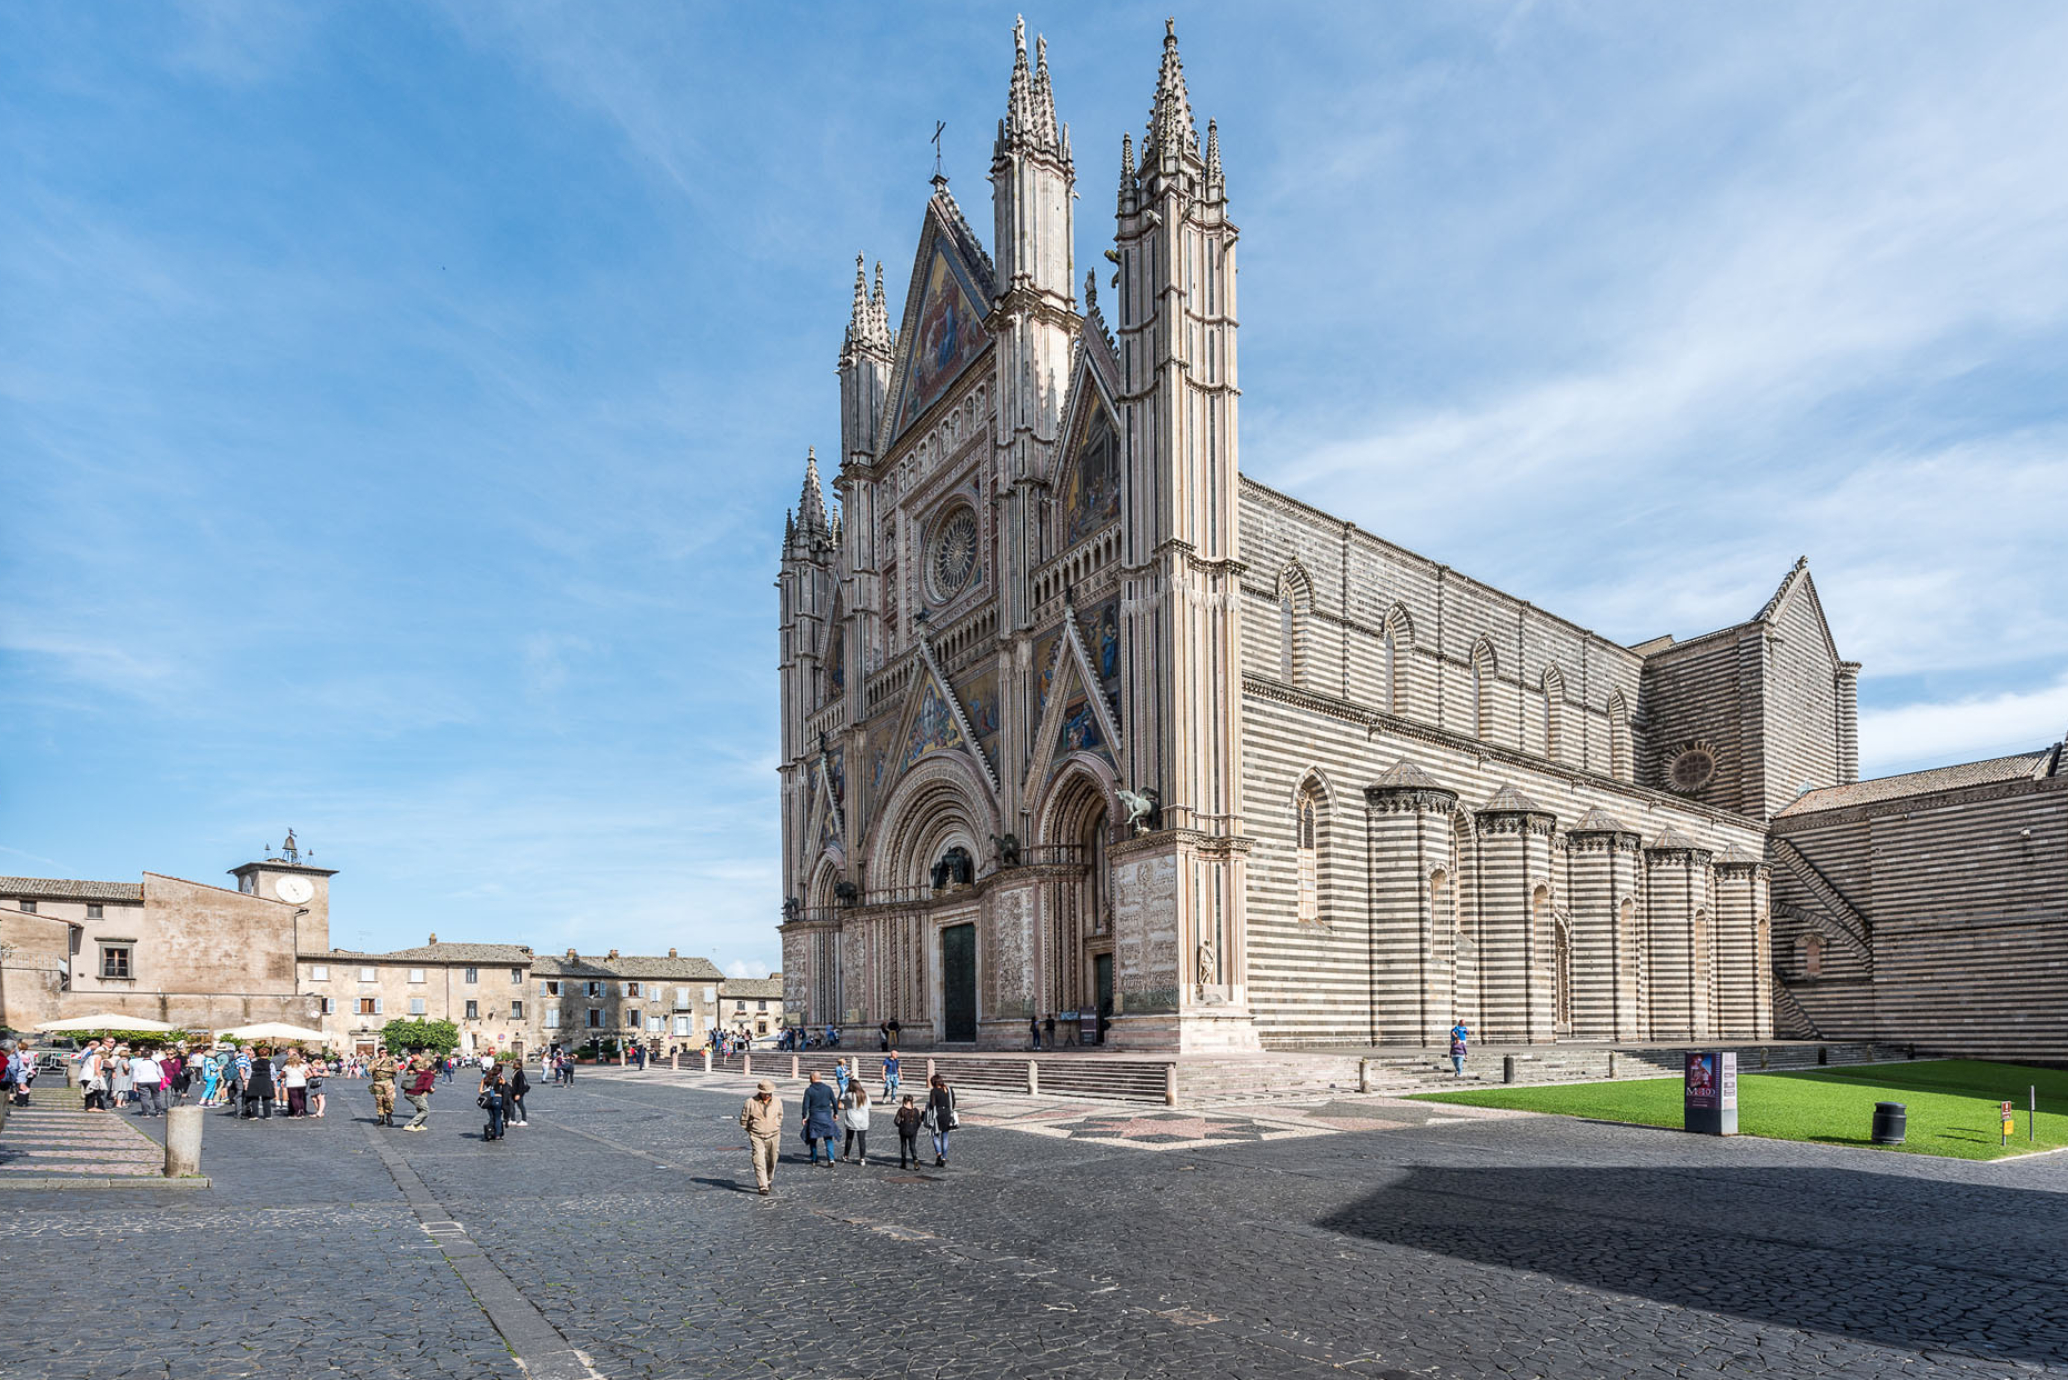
x=1671 y=839
x=1405 y=776
x=1600 y=821
x=1508 y=800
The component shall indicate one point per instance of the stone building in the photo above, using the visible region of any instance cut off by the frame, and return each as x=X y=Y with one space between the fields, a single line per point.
x=1075 y=716
x=623 y=1000
x=198 y=956
x=755 y=1004
x=1930 y=907
x=481 y=988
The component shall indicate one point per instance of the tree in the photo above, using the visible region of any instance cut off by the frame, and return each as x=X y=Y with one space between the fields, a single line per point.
x=439 y=1037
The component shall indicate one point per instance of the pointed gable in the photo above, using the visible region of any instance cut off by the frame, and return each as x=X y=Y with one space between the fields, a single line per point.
x=944 y=313
x=1088 y=485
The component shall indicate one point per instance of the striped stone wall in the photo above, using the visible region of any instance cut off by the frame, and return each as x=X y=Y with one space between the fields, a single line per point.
x=1430 y=903
x=1943 y=918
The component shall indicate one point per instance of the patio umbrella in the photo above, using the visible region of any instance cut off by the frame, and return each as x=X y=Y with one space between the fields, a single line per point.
x=104 y=1020
x=274 y=1030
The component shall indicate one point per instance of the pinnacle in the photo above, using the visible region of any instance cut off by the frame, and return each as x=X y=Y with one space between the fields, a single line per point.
x=811 y=506
x=1171 y=132
x=1030 y=106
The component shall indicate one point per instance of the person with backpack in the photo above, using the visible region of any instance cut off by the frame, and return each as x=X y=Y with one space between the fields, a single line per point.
x=907 y=1122
x=940 y=1117
x=494 y=1097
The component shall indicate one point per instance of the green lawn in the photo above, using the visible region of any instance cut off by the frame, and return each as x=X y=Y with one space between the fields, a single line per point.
x=1952 y=1104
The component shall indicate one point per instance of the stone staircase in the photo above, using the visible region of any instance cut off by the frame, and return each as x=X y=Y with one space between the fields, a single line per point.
x=1229 y=1080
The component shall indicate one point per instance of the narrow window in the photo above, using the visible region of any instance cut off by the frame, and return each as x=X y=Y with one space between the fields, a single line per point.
x=94 y=911
x=1309 y=863
x=1389 y=696
x=516 y=1010
x=115 y=961
x=416 y=1006
x=473 y=1010
x=366 y=1005
x=1285 y=638
x=516 y=977
x=472 y=975
x=1813 y=956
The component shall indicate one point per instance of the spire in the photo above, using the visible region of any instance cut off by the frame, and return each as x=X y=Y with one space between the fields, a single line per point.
x=1127 y=167
x=1030 y=124
x=1213 y=154
x=879 y=313
x=1171 y=132
x=858 y=320
x=811 y=506
x=1045 y=98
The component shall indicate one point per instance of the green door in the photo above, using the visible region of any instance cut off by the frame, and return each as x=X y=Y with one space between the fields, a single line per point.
x=959 y=984
x=1102 y=980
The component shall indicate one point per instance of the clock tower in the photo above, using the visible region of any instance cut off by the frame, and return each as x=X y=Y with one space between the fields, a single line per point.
x=288 y=878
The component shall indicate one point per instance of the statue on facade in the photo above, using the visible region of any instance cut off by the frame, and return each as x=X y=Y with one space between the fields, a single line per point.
x=792 y=907
x=1144 y=810
x=1008 y=849
x=1209 y=966
x=847 y=893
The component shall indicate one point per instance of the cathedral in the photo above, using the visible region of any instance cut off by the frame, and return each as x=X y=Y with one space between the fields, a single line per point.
x=1078 y=720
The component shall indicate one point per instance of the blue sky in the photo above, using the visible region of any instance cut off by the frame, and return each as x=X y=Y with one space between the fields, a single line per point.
x=399 y=403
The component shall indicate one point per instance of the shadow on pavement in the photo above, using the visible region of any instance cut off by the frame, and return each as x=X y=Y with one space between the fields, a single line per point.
x=1907 y=1262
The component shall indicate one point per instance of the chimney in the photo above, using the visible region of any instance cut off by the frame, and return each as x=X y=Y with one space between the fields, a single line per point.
x=571 y=955
x=434 y=936
x=671 y=953
x=613 y=955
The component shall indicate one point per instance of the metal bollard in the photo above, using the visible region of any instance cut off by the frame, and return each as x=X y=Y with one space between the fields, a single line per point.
x=1364 y=1075
x=1507 y=1068
x=183 y=1142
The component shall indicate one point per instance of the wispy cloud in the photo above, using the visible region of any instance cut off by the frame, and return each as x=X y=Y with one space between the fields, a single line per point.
x=1970 y=728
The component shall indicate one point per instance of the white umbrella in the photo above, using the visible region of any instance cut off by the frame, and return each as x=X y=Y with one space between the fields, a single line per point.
x=105 y=1020
x=274 y=1030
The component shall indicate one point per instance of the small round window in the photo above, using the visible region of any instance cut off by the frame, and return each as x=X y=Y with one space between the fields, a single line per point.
x=951 y=558
x=1692 y=769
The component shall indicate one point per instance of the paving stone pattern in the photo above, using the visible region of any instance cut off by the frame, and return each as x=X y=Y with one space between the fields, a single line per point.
x=1390 y=1245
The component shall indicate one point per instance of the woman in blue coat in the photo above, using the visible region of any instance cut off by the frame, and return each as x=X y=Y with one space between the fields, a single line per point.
x=819 y=1120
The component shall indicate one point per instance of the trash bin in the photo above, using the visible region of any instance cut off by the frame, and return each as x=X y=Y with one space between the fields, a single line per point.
x=1889 y=1121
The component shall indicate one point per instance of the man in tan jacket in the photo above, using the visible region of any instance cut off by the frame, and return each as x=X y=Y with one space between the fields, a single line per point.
x=763 y=1119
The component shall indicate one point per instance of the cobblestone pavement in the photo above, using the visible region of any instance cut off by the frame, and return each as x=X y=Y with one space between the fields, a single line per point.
x=617 y=1236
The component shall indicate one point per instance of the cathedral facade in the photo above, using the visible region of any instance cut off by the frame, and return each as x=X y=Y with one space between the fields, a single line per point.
x=1076 y=718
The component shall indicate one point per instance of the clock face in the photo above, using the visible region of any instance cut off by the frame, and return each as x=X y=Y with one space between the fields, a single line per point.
x=293 y=889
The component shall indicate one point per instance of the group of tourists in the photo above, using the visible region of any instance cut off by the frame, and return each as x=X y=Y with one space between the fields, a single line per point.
x=17 y=1073
x=255 y=1082
x=842 y=1110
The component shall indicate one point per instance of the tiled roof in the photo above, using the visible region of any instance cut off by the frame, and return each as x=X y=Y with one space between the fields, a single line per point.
x=1405 y=776
x=553 y=965
x=657 y=966
x=494 y=955
x=1672 y=838
x=1600 y=821
x=751 y=988
x=58 y=889
x=1508 y=800
x=2024 y=764
x=628 y=966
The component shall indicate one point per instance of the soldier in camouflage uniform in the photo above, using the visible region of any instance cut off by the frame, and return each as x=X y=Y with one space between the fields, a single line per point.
x=383 y=1072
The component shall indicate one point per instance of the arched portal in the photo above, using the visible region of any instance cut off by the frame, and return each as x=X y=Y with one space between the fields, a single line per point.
x=1076 y=822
